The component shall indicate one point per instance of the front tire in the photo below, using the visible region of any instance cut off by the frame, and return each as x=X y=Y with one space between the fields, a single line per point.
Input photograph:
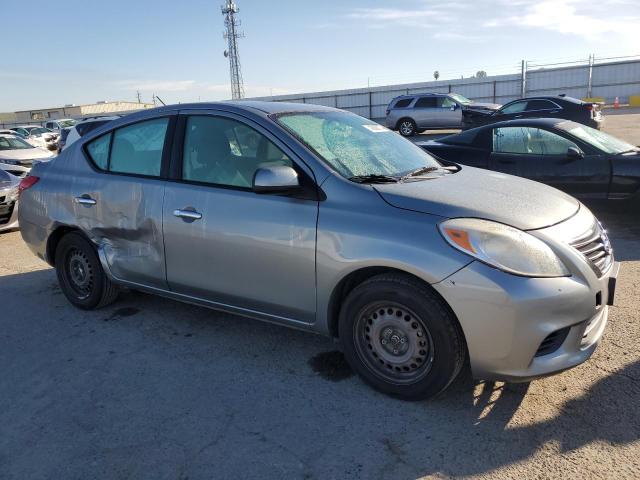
x=407 y=127
x=401 y=337
x=80 y=274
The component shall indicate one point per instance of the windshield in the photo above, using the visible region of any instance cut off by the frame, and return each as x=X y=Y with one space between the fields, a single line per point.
x=600 y=140
x=13 y=143
x=355 y=146
x=460 y=99
x=66 y=123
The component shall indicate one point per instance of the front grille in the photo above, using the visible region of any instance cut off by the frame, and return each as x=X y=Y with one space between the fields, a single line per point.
x=552 y=342
x=595 y=246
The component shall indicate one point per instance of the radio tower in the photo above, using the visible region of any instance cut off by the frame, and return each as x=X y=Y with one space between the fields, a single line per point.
x=232 y=35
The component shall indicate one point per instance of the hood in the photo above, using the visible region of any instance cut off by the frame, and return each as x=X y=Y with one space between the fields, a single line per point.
x=26 y=154
x=484 y=106
x=477 y=193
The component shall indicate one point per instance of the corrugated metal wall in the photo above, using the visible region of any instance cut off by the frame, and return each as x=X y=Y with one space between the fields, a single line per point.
x=608 y=80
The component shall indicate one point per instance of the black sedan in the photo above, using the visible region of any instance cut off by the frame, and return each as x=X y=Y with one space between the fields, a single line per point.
x=559 y=106
x=580 y=160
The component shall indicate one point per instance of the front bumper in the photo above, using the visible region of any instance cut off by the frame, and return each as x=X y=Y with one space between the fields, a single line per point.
x=506 y=318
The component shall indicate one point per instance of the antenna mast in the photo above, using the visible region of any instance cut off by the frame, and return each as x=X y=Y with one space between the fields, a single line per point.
x=229 y=11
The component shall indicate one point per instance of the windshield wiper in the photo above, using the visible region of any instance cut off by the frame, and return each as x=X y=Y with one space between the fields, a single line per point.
x=374 y=178
x=631 y=150
x=418 y=171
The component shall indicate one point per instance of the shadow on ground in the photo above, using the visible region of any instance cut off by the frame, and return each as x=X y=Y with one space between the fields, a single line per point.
x=151 y=388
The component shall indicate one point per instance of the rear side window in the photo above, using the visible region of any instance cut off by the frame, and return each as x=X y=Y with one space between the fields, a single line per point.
x=84 y=128
x=403 y=103
x=138 y=148
x=427 y=102
x=135 y=149
x=99 y=151
x=541 y=105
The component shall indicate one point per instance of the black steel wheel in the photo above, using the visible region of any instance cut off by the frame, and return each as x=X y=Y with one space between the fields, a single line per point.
x=80 y=273
x=401 y=336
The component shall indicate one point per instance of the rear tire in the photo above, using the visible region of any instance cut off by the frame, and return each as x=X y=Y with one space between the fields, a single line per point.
x=407 y=127
x=80 y=274
x=401 y=337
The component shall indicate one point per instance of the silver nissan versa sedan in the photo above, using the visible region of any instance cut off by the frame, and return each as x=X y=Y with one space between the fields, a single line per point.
x=318 y=219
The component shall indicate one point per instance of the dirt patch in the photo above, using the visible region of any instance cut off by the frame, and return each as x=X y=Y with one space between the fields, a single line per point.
x=122 y=313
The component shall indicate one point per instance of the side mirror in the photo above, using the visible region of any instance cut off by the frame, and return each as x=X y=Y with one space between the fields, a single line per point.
x=279 y=179
x=574 y=153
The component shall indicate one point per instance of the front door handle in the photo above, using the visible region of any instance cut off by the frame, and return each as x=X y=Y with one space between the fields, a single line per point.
x=85 y=200
x=187 y=214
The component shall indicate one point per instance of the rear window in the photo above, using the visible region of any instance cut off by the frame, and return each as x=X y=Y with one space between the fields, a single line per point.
x=403 y=103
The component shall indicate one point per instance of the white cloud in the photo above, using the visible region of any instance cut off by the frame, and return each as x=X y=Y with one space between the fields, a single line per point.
x=474 y=19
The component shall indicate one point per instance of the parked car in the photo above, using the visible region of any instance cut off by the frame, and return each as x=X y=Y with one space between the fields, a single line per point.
x=74 y=133
x=58 y=125
x=411 y=114
x=322 y=220
x=582 y=161
x=17 y=156
x=10 y=132
x=38 y=136
x=8 y=201
x=559 y=106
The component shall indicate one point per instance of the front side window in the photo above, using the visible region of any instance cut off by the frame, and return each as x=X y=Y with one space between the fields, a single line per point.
x=226 y=152
x=135 y=149
x=515 y=107
x=355 y=146
x=460 y=99
x=446 y=102
x=529 y=141
x=426 y=102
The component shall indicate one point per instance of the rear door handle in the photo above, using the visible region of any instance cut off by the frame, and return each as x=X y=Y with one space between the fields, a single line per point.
x=187 y=214
x=85 y=200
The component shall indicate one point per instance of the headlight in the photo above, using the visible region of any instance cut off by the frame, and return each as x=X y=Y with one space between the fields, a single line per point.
x=503 y=247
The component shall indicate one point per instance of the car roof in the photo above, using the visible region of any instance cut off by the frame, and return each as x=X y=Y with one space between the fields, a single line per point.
x=426 y=94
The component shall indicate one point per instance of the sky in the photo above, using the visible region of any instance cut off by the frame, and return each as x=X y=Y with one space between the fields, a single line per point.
x=80 y=51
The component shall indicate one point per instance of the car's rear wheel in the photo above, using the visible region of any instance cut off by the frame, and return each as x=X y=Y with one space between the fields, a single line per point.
x=80 y=274
x=407 y=127
x=401 y=337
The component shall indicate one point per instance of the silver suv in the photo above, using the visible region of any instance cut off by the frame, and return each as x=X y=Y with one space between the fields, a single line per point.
x=411 y=114
x=319 y=219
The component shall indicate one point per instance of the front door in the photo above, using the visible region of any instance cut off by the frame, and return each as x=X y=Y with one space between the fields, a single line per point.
x=541 y=155
x=223 y=242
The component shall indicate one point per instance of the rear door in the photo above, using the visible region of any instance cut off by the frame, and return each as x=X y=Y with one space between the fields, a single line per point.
x=118 y=202
x=425 y=112
x=223 y=242
x=541 y=155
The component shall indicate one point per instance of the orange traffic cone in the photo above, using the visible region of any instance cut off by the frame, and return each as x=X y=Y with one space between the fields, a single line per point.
x=616 y=103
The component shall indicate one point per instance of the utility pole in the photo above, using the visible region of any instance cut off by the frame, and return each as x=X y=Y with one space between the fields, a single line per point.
x=229 y=10
x=523 y=77
x=592 y=59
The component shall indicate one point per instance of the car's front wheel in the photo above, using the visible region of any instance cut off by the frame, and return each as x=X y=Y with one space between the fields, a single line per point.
x=80 y=273
x=401 y=337
x=407 y=127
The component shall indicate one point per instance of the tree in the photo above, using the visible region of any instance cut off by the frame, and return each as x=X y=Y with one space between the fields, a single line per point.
x=436 y=74
x=481 y=74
